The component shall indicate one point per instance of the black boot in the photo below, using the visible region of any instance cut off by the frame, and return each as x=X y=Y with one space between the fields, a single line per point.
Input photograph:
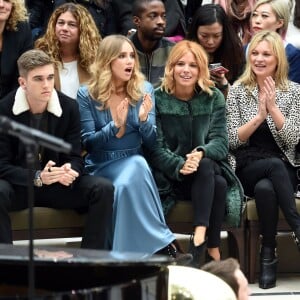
x=196 y=251
x=268 y=267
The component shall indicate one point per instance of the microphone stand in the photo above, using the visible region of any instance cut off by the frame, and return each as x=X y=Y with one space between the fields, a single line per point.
x=31 y=151
x=32 y=138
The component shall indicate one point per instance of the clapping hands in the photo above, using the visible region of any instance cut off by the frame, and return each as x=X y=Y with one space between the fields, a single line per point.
x=145 y=108
x=121 y=113
x=267 y=98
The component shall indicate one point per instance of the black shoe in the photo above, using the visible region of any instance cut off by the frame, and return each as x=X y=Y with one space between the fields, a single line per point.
x=268 y=268
x=176 y=254
x=296 y=237
x=196 y=251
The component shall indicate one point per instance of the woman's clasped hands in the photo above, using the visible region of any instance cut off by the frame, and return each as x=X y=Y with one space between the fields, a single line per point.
x=192 y=162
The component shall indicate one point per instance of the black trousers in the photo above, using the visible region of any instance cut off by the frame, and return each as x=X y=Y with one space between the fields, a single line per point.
x=207 y=190
x=89 y=194
x=272 y=183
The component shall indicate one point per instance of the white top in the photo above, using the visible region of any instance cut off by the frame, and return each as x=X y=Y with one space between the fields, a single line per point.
x=69 y=80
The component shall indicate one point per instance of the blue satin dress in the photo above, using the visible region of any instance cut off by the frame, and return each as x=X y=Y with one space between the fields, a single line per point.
x=138 y=220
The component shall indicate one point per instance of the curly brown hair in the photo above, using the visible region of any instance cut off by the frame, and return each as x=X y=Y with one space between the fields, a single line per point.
x=18 y=14
x=89 y=35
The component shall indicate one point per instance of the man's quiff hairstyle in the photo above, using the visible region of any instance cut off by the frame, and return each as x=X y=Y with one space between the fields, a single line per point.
x=32 y=59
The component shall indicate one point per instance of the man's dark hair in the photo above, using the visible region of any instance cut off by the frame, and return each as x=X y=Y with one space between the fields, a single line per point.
x=139 y=6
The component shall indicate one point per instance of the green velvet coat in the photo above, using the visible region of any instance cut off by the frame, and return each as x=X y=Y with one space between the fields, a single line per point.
x=183 y=126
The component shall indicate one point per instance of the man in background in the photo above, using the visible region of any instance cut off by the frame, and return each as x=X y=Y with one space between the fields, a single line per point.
x=153 y=48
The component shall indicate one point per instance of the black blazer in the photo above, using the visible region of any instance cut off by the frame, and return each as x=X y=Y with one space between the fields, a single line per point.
x=12 y=151
x=14 y=44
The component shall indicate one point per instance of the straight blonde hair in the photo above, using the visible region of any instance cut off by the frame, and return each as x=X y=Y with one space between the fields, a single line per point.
x=248 y=78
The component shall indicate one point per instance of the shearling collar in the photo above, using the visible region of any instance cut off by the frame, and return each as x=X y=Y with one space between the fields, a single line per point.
x=21 y=104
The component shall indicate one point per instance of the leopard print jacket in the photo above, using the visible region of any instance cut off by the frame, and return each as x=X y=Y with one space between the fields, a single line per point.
x=242 y=106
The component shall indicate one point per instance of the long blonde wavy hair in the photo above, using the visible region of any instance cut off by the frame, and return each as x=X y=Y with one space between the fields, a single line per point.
x=18 y=14
x=89 y=36
x=179 y=50
x=248 y=78
x=101 y=85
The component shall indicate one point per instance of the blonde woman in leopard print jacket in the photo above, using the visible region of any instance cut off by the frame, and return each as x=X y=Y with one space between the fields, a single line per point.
x=263 y=116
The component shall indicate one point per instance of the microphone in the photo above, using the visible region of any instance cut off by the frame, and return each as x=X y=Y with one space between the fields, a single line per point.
x=10 y=127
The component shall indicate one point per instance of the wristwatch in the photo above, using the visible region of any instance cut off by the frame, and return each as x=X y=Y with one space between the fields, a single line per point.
x=37 y=181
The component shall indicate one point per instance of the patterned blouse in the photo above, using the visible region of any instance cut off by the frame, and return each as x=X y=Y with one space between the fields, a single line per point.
x=242 y=106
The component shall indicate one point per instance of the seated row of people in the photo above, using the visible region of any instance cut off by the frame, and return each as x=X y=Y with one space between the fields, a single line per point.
x=117 y=120
x=188 y=157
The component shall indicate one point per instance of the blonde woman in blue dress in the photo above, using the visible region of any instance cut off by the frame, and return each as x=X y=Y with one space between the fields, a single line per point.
x=118 y=119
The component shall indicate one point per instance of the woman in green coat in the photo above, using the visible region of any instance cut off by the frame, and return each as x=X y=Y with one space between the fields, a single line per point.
x=189 y=158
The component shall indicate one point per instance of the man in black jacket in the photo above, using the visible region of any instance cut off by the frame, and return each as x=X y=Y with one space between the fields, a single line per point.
x=174 y=14
x=58 y=179
x=153 y=49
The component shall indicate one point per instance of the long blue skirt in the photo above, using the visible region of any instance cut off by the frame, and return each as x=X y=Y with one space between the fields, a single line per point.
x=138 y=219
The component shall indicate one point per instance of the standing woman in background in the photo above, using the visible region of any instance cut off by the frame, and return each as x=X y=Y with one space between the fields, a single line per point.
x=15 y=39
x=275 y=15
x=211 y=28
x=72 y=40
x=239 y=13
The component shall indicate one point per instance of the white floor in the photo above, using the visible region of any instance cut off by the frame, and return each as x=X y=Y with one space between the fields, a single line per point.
x=288 y=288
